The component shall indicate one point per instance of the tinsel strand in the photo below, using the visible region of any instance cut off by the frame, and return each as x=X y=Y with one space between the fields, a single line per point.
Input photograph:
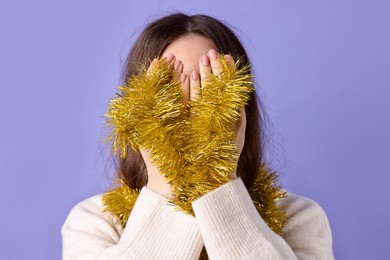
x=210 y=151
x=148 y=115
x=192 y=146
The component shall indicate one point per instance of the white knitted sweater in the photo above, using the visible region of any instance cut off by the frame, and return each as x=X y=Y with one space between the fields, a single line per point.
x=226 y=222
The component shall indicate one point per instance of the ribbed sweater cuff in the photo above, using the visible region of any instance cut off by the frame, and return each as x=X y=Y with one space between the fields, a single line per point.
x=156 y=230
x=229 y=222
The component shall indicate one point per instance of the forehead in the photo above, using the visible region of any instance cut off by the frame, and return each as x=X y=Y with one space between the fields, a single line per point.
x=188 y=49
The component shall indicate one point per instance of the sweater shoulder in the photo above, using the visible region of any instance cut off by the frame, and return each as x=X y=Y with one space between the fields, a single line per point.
x=92 y=205
x=90 y=213
x=296 y=205
x=304 y=216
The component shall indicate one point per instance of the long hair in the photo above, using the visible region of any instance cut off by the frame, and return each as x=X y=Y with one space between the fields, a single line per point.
x=150 y=44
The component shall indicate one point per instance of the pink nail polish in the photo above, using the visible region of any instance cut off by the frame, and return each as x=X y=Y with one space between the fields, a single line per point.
x=183 y=77
x=213 y=54
x=170 y=57
x=194 y=75
x=205 y=60
x=228 y=57
x=176 y=65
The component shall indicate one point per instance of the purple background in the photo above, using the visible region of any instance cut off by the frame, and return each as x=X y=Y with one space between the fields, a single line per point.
x=324 y=71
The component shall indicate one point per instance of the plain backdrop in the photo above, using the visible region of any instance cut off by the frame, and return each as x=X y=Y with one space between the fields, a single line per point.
x=322 y=69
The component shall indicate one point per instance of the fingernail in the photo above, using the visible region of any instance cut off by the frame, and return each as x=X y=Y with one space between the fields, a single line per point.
x=213 y=54
x=177 y=64
x=183 y=77
x=228 y=57
x=170 y=57
x=205 y=60
x=195 y=75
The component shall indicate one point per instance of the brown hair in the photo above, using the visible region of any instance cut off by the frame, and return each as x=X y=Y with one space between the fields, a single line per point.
x=151 y=44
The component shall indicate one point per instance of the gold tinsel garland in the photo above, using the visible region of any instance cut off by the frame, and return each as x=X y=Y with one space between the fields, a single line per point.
x=264 y=193
x=191 y=144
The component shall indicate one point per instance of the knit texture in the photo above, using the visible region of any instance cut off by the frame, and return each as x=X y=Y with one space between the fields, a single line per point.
x=226 y=223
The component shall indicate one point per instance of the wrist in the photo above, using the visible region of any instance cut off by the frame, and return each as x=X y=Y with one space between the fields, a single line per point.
x=161 y=188
x=233 y=175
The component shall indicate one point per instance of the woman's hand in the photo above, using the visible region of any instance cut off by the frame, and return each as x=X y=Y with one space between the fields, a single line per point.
x=209 y=64
x=192 y=89
x=156 y=181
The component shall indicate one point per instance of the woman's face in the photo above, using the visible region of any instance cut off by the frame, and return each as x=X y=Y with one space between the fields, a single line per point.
x=189 y=50
x=194 y=57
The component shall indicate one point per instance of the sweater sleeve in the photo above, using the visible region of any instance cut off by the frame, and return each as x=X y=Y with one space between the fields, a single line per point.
x=232 y=228
x=154 y=231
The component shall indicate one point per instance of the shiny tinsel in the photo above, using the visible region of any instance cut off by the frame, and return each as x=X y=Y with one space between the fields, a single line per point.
x=193 y=144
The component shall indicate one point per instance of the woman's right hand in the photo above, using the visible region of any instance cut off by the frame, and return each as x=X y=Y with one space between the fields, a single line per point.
x=191 y=89
x=156 y=181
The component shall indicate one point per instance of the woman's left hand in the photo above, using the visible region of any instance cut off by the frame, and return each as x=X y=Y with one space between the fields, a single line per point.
x=209 y=64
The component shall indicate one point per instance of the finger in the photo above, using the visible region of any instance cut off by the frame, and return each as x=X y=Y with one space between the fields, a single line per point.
x=194 y=86
x=216 y=66
x=151 y=66
x=177 y=69
x=185 y=87
x=204 y=67
x=229 y=60
x=170 y=58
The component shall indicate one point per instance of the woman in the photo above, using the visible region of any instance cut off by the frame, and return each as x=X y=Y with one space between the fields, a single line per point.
x=226 y=219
